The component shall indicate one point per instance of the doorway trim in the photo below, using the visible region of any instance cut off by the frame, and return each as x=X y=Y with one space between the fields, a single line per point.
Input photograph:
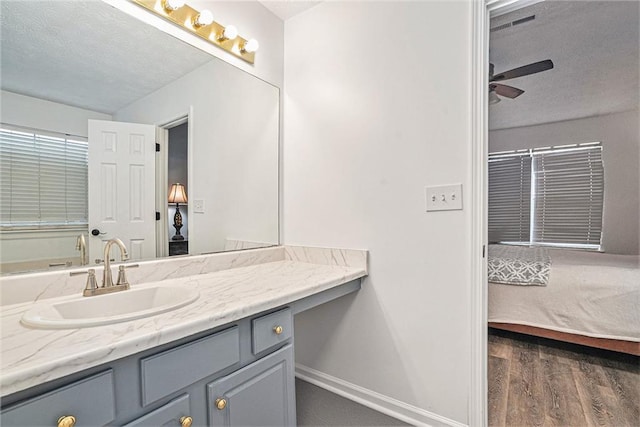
x=162 y=165
x=482 y=11
x=478 y=167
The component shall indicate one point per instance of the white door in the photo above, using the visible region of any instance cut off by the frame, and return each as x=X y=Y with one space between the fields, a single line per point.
x=122 y=188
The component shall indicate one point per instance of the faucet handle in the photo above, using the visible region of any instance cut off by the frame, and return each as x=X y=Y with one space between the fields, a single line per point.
x=92 y=284
x=122 y=277
x=78 y=273
x=61 y=264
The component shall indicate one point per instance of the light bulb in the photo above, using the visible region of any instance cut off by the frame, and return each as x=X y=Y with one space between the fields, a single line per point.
x=204 y=18
x=493 y=98
x=251 y=46
x=230 y=32
x=171 y=5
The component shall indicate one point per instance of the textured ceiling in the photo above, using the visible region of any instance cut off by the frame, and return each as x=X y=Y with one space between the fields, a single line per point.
x=87 y=54
x=595 y=49
x=90 y=55
x=285 y=9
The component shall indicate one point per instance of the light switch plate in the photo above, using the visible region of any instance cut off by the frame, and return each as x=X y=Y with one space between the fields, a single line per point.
x=444 y=198
x=198 y=206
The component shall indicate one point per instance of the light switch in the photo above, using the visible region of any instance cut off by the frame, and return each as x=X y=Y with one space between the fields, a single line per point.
x=198 y=206
x=444 y=197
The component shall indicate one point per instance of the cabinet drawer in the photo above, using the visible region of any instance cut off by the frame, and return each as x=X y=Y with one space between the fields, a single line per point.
x=172 y=370
x=169 y=414
x=265 y=330
x=91 y=401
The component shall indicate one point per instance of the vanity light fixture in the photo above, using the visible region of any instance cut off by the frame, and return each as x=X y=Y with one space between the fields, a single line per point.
x=202 y=24
x=203 y=18
x=171 y=5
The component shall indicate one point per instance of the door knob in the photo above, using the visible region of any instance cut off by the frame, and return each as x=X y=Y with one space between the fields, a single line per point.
x=96 y=232
x=67 y=421
x=186 y=421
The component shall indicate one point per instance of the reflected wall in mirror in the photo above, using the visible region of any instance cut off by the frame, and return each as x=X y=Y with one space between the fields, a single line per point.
x=110 y=67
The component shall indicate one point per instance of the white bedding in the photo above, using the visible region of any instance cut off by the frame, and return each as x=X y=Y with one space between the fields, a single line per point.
x=588 y=293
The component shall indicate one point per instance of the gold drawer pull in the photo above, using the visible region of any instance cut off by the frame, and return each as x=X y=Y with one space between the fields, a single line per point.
x=67 y=421
x=186 y=421
x=278 y=330
x=221 y=404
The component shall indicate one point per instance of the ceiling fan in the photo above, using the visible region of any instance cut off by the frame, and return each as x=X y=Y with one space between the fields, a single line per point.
x=496 y=89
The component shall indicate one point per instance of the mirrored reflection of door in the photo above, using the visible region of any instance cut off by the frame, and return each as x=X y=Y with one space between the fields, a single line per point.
x=122 y=187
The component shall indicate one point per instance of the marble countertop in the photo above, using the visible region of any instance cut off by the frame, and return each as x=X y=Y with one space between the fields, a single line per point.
x=34 y=356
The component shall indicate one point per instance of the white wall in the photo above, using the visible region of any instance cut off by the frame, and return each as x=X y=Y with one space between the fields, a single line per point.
x=21 y=110
x=234 y=156
x=620 y=137
x=371 y=117
x=40 y=114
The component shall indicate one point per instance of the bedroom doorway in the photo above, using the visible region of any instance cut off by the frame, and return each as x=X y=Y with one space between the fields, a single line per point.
x=173 y=178
x=559 y=142
x=178 y=185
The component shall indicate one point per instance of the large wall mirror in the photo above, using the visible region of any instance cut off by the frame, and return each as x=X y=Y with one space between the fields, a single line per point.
x=78 y=78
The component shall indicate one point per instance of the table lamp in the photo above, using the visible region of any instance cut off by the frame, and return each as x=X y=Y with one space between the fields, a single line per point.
x=177 y=195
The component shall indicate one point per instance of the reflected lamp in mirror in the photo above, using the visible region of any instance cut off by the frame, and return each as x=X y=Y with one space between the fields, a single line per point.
x=177 y=195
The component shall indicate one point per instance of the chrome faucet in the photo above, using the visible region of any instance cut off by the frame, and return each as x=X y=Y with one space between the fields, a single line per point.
x=107 y=278
x=81 y=245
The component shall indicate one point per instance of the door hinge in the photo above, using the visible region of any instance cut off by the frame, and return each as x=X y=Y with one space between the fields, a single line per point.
x=483 y=250
x=157 y=216
x=157 y=147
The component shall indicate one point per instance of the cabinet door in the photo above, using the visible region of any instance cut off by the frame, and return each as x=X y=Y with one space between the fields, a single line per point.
x=261 y=394
x=173 y=413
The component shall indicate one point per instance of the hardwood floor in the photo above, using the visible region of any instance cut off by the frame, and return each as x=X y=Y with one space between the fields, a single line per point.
x=539 y=382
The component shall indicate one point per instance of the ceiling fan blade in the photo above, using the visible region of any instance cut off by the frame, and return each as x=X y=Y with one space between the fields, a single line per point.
x=506 y=91
x=525 y=70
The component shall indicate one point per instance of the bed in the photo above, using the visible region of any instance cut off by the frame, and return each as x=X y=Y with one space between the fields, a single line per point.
x=590 y=298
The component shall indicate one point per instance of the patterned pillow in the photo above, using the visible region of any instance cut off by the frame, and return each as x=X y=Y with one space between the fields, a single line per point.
x=519 y=265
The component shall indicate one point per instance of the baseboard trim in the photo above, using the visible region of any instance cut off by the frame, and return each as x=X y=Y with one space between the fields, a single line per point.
x=374 y=400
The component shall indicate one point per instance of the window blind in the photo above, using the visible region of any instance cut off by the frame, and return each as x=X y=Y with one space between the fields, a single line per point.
x=569 y=192
x=510 y=198
x=43 y=179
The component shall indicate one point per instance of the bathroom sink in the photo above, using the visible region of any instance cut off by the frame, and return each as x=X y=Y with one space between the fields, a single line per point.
x=83 y=312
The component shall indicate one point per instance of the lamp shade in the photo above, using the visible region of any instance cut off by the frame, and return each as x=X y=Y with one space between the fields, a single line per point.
x=177 y=193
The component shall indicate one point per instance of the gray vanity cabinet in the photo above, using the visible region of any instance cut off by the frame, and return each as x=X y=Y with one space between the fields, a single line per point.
x=259 y=395
x=176 y=384
x=239 y=374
